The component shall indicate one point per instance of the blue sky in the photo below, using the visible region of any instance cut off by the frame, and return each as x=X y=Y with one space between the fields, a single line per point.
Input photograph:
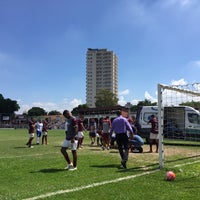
x=43 y=45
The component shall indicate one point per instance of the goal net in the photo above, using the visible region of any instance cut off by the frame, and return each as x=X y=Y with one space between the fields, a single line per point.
x=179 y=123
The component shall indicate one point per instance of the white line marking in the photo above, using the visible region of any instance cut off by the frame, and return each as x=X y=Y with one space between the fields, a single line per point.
x=189 y=163
x=89 y=186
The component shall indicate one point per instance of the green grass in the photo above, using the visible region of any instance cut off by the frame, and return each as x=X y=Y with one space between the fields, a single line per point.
x=27 y=173
x=181 y=142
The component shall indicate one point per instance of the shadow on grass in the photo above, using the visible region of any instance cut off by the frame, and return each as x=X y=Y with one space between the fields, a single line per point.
x=25 y=147
x=151 y=167
x=106 y=166
x=148 y=168
x=51 y=170
x=96 y=149
x=180 y=159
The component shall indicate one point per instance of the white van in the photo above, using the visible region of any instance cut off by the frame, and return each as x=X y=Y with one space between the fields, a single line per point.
x=180 y=122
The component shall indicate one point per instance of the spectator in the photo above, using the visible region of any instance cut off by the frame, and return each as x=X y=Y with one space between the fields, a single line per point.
x=154 y=133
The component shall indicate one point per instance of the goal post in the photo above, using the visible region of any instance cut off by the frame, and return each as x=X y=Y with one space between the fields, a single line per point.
x=175 y=121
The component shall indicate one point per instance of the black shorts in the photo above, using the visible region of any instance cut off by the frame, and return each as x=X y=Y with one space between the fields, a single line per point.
x=92 y=134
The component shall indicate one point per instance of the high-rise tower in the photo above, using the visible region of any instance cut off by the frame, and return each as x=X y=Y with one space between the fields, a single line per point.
x=101 y=73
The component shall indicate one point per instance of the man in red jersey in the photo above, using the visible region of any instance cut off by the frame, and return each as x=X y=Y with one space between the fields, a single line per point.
x=154 y=133
x=106 y=125
x=71 y=128
x=45 y=131
x=81 y=128
x=31 y=131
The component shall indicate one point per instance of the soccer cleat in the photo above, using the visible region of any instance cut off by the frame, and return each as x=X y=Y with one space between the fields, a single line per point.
x=72 y=168
x=123 y=164
x=69 y=166
x=31 y=147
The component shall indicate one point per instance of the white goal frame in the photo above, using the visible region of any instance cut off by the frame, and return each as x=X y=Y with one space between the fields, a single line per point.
x=160 y=90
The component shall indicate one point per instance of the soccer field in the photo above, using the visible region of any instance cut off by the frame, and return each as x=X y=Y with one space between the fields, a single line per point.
x=39 y=173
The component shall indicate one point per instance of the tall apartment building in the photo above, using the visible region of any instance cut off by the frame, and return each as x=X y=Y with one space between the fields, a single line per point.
x=101 y=73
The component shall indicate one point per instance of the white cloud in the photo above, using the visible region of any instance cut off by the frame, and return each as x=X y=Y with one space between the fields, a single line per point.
x=49 y=106
x=179 y=82
x=149 y=97
x=194 y=64
x=135 y=101
x=69 y=104
x=75 y=102
x=121 y=101
x=23 y=108
x=125 y=92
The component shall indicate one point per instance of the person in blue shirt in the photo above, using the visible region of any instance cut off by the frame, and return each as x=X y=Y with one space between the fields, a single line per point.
x=135 y=141
x=136 y=144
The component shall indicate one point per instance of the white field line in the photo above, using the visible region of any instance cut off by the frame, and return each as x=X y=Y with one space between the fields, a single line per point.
x=89 y=186
x=100 y=183
x=189 y=163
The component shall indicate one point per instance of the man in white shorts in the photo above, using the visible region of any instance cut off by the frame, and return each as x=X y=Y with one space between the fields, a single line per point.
x=81 y=128
x=39 y=127
x=71 y=129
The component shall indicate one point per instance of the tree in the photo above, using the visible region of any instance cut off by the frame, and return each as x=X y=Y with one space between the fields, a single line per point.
x=194 y=104
x=75 y=110
x=105 y=98
x=54 y=112
x=8 y=105
x=36 y=111
x=146 y=102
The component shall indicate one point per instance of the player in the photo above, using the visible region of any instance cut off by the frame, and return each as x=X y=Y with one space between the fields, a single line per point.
x=80 y=135
x=154 y=133
x=106 y=125
x=93 y=130
x=31 y=130
x=71 y=129
x=45 y=131
x=39 y=127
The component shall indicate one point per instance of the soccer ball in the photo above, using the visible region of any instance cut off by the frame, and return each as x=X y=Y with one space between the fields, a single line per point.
x=170 y=176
